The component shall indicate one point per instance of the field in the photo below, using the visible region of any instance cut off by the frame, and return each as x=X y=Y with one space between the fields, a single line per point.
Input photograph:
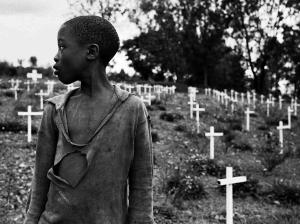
x=186 y=188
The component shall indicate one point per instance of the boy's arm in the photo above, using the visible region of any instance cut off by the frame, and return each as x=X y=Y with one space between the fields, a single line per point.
x=141 y=173
x=45 y=152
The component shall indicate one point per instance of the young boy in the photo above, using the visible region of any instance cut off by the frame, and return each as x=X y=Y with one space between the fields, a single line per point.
x=94 y=141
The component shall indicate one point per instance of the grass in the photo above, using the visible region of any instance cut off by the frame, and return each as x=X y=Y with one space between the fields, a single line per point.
x=185 y=180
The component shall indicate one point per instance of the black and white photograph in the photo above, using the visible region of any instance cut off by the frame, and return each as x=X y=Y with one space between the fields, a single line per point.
x=150 y=112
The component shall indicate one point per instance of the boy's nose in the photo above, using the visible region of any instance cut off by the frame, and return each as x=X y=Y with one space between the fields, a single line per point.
x=56 y=58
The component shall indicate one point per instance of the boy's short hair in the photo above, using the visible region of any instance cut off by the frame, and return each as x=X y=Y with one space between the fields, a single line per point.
x=94 y=29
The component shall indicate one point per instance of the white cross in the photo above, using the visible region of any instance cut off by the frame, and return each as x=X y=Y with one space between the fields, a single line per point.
x=280 y=128
x=138 y=89
x=248 y=112
x=289 y=117
x=42 y=94
x=254 y=100
x=29 y=113
x=15 y=89
x=12 y=82
x=236 y=96
x=28 y=85
x=34 y=75
x=280 y=102
x=273 y=101
x=248 y=97
x=261 y=99
x=233 y=101
x=268 y=107
x=198 y=109
x=147 y=99
x=212 y=134
x=229 y=181
x=295 y=107
x=50 y=86
x=191 y=103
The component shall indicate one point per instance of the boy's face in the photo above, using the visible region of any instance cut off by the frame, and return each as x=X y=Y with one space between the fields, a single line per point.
x=70 y=60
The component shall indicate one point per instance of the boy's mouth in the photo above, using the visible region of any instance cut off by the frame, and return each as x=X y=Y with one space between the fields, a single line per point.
x=56 y=72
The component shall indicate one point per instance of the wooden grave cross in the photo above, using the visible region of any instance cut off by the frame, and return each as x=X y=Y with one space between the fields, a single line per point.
x=248 y=97
x=280 y=128
x=12 y=83
x=42 y=94
x=242 y=96
x=254 y=99
x=296 y=105
x=229 y=181
x=147 y=99
x=248 y=112
x=268 y=107
x=29 y=113
x=261 y=99
x=28 y=84
x=34 y=75
x=280 y=102
x=50 y=86
x=197 y=109
x=212 y=134
x=191 y=103
x=289 y=117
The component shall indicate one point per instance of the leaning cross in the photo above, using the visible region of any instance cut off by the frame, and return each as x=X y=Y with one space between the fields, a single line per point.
x=248 y=112
x=229 y=181
x=212 y=134
x=29 y=113
x=198 y=109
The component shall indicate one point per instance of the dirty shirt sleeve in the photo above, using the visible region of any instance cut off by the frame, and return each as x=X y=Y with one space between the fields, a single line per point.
x=45 y=152
x=141 y=173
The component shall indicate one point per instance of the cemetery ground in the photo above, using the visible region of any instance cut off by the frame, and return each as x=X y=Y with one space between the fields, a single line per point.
x=186 y=188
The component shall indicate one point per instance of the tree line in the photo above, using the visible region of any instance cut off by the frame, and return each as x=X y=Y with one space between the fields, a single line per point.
x=221 y=44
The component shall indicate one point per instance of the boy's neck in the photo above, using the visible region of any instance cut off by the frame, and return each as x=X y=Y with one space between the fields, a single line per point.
x=95 y=83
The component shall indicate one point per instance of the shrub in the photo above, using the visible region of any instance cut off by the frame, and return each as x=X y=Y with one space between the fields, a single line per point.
x=272 y=159
x=186 y=187
x=180 y=128
x=242 y=142
x=285 y=192
x=164 y=214
x=208 y=166
x=275 y=117
x=155 y=137
x=9 y=94
x=15 y=126
x=171 y=117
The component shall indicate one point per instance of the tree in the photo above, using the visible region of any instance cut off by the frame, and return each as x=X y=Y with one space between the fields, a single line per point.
x=185 y=38
x=33 y=61
x=108 y=9
x=253 y=25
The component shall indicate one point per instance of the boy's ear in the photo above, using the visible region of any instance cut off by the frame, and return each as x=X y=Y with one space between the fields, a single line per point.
x=93 y=51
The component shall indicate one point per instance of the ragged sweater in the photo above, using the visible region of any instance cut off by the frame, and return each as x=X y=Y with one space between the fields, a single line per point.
x=118 y=155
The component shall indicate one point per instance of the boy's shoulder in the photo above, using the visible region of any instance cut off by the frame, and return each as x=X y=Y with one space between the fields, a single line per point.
x=59 y=100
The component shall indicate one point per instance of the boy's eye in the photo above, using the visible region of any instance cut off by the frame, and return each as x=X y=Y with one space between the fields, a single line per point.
x=61 y=47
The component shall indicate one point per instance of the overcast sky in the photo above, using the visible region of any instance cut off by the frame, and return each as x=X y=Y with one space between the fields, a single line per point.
x=29 y=28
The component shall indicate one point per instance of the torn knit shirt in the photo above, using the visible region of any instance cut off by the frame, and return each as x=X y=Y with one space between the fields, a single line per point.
x=118 y=155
